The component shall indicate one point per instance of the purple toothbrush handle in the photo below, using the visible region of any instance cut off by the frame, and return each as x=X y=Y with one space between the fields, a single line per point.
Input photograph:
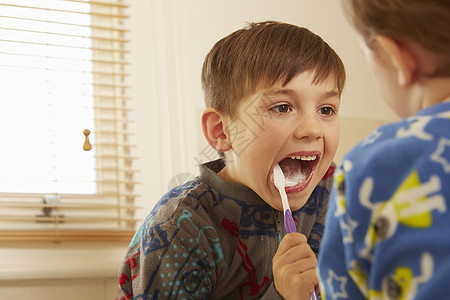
x=314 y=296
x=289 y=223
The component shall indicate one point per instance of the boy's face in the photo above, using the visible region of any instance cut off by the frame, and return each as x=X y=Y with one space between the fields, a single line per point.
x=295 y=125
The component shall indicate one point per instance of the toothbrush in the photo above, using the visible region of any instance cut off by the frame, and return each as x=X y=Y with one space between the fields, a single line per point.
x=278 y=179
x=289 y=224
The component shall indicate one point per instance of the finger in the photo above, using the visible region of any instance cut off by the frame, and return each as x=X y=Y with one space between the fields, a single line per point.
x=301 y=265
x=297 y=286
x=300 y=251
x=290 y=240
x=284 y=268
x=310 y=282
x=309 y=277
x=293 y=254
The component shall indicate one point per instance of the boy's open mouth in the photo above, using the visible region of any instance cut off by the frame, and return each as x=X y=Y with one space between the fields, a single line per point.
x=298 y=168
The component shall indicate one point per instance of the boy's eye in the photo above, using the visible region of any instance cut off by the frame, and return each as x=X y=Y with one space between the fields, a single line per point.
x=282 y=108
x=327 y=110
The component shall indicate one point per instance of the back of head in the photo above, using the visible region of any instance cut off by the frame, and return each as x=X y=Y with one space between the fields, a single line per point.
x=261 y=54
x=423 y=22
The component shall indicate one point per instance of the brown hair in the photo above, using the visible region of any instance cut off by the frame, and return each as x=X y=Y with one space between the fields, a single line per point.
x=424 y=22
x=260 y=55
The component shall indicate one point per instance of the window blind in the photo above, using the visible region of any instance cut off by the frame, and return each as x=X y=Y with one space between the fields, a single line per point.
x=63 y=68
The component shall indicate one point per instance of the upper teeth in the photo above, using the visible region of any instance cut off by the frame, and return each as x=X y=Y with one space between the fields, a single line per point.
x=304 y=157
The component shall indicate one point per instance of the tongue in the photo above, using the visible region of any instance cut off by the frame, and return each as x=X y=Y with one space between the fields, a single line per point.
x=292 y=170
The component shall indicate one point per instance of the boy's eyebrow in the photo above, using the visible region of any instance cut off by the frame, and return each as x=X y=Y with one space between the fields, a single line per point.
x=283 y=91
x=279 y=91
x=332 y=94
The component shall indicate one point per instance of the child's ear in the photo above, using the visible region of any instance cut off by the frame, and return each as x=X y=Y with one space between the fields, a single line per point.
x=402 y=57
x=213 y=124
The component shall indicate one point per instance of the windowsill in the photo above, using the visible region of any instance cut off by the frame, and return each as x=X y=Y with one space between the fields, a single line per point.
x=33 y=261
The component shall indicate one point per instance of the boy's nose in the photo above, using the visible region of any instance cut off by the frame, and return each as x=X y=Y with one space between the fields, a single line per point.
x=308 y=127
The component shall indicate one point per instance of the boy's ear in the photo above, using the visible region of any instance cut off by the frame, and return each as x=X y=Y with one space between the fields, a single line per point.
x=401 y=56
x=213 y=124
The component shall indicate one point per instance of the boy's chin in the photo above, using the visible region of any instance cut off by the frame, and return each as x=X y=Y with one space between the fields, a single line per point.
x=298 y=199
x=297 y=204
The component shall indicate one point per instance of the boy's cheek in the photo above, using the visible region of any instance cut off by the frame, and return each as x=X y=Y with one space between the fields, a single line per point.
x=332 y=139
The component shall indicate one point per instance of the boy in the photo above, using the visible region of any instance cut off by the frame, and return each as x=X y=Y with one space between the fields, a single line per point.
x=272 y=91
x=388 y=222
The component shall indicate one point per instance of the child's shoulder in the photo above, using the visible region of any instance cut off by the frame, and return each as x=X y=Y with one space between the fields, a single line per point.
x=394 y=151
x=184 y=195
x=415 y=133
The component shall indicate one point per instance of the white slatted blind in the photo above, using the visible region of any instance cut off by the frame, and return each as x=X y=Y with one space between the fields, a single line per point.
x=63 y=69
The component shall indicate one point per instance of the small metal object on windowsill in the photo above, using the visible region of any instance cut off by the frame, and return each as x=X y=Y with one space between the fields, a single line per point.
x=48 y=215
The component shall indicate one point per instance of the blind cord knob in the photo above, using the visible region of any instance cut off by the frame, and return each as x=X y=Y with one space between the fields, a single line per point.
x=87 y=145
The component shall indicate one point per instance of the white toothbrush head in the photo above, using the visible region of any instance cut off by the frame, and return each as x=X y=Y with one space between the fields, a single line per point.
x=280 y=183
x=278 y=177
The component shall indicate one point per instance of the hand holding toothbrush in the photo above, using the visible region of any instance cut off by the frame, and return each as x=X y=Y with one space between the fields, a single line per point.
x=294 y=263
